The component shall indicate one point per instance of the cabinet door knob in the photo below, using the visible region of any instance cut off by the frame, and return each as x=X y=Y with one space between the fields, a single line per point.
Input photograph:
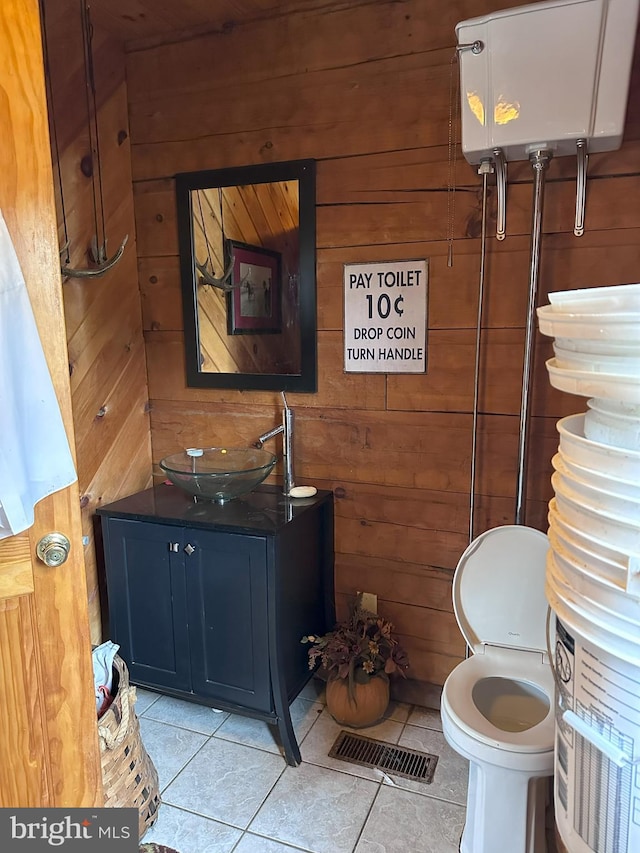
x=53 y=549
x=174 y=546
x=189 y=549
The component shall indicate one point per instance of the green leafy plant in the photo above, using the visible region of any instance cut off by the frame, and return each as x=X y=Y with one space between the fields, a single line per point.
x=358 y=649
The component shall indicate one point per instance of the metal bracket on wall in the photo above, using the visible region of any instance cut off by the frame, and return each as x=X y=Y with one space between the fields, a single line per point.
x=581 y=187
x=501 y=180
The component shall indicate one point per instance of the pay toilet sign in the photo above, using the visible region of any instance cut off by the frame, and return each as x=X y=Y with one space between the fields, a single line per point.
x=385 y=317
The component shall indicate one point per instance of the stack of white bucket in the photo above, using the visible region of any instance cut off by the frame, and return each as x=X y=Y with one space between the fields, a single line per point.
x=593 y=568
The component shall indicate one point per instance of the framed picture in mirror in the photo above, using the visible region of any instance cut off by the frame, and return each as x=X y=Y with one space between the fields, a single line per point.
x=254 y=301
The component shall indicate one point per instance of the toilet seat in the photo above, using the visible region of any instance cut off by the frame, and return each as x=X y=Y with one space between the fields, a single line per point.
x=498 y=589
x=523 y=667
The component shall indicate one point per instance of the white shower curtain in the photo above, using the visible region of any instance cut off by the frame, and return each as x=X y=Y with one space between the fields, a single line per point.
x=35 y=459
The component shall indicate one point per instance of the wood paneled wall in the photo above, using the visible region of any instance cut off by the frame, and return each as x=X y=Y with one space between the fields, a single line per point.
x=363 y=87
x=103 y=315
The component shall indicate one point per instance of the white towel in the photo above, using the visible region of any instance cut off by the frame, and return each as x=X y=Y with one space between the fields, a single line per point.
x=35 y=459
x=102 y=657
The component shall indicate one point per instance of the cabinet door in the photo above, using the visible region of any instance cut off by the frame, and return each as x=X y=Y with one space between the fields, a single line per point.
x=147 y=601
x=227 y=603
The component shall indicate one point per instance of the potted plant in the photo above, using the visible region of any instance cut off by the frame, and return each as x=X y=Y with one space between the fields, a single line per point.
x=358 y=655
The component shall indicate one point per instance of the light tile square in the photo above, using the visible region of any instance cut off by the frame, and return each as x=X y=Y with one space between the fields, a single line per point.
x=256 y=844
x=144 y=699
x=315 y=747
x=262 y=735
x=403 y=822
x=315 y=690
x=398 y=711
x=169 y=747
x=452 y=771
x=426 y=718
x=186 y=715
x=190 y=833
x=225 y=781
x=316 y=809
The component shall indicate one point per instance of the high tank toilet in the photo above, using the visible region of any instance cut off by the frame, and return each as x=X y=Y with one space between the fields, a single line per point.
x=498 y=705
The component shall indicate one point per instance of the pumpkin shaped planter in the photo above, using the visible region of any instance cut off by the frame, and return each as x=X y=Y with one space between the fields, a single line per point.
x=359 y=655
x=364 y=706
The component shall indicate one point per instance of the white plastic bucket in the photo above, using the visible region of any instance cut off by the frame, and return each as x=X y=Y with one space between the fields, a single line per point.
x=621 y=571
x=602 y=596
x=608 y=299
x=618 y=326
x=627 y=364
x=615 y=485
x=626 y=632
x=614 y=385
x=615 y=407
x=626 y=509
x=599 y=347
x=614 y=423
x=597 y=730
x=612 y=461
x=624 y=536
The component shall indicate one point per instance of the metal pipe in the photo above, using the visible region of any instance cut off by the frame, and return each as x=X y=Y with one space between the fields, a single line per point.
x=267 y=435
x=287 y=450
x=539 y=162
x=485 y=170
x=286 y=428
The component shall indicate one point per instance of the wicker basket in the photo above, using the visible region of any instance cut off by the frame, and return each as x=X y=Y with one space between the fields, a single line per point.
x=129 y=777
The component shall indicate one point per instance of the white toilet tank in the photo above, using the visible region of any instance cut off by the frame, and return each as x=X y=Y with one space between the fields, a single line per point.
x=548 y=74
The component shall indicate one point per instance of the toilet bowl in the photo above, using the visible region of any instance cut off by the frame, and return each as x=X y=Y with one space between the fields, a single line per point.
x=498 y=705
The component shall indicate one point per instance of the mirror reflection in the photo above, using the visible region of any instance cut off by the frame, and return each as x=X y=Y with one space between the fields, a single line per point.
x=247 y=255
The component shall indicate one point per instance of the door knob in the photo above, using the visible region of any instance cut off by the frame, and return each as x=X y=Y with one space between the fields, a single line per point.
x=189 y=549
x=53 y=549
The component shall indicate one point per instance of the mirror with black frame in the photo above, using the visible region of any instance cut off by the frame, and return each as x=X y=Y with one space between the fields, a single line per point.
x=248 y=268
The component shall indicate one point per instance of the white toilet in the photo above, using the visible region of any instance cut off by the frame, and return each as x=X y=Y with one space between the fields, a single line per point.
x=498 y=704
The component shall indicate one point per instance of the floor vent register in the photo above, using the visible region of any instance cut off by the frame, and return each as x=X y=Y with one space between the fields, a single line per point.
x=396 y=760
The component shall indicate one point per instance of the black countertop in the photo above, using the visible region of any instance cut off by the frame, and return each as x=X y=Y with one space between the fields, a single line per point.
x=263 y=511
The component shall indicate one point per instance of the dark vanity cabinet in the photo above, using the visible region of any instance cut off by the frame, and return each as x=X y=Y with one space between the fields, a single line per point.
x=209 y=603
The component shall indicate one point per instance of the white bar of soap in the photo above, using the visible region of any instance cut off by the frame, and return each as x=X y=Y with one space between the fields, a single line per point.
x=303 y=492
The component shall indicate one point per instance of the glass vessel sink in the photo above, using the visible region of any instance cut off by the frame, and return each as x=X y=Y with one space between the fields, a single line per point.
x=218 y=474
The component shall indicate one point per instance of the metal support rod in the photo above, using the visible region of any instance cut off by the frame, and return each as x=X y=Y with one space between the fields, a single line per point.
x=485 y=169
x=539 y=162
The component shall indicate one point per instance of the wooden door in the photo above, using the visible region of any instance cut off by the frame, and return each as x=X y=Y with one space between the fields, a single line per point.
x=49 y=752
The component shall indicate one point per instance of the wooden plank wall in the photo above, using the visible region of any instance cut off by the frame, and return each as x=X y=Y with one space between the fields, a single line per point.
x=103 y=315
x=363 y=87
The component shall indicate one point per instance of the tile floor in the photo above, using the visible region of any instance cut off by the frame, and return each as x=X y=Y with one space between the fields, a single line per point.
x=226 y=788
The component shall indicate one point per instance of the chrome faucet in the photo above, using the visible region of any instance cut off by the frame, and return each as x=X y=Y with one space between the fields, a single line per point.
x=286 y=428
